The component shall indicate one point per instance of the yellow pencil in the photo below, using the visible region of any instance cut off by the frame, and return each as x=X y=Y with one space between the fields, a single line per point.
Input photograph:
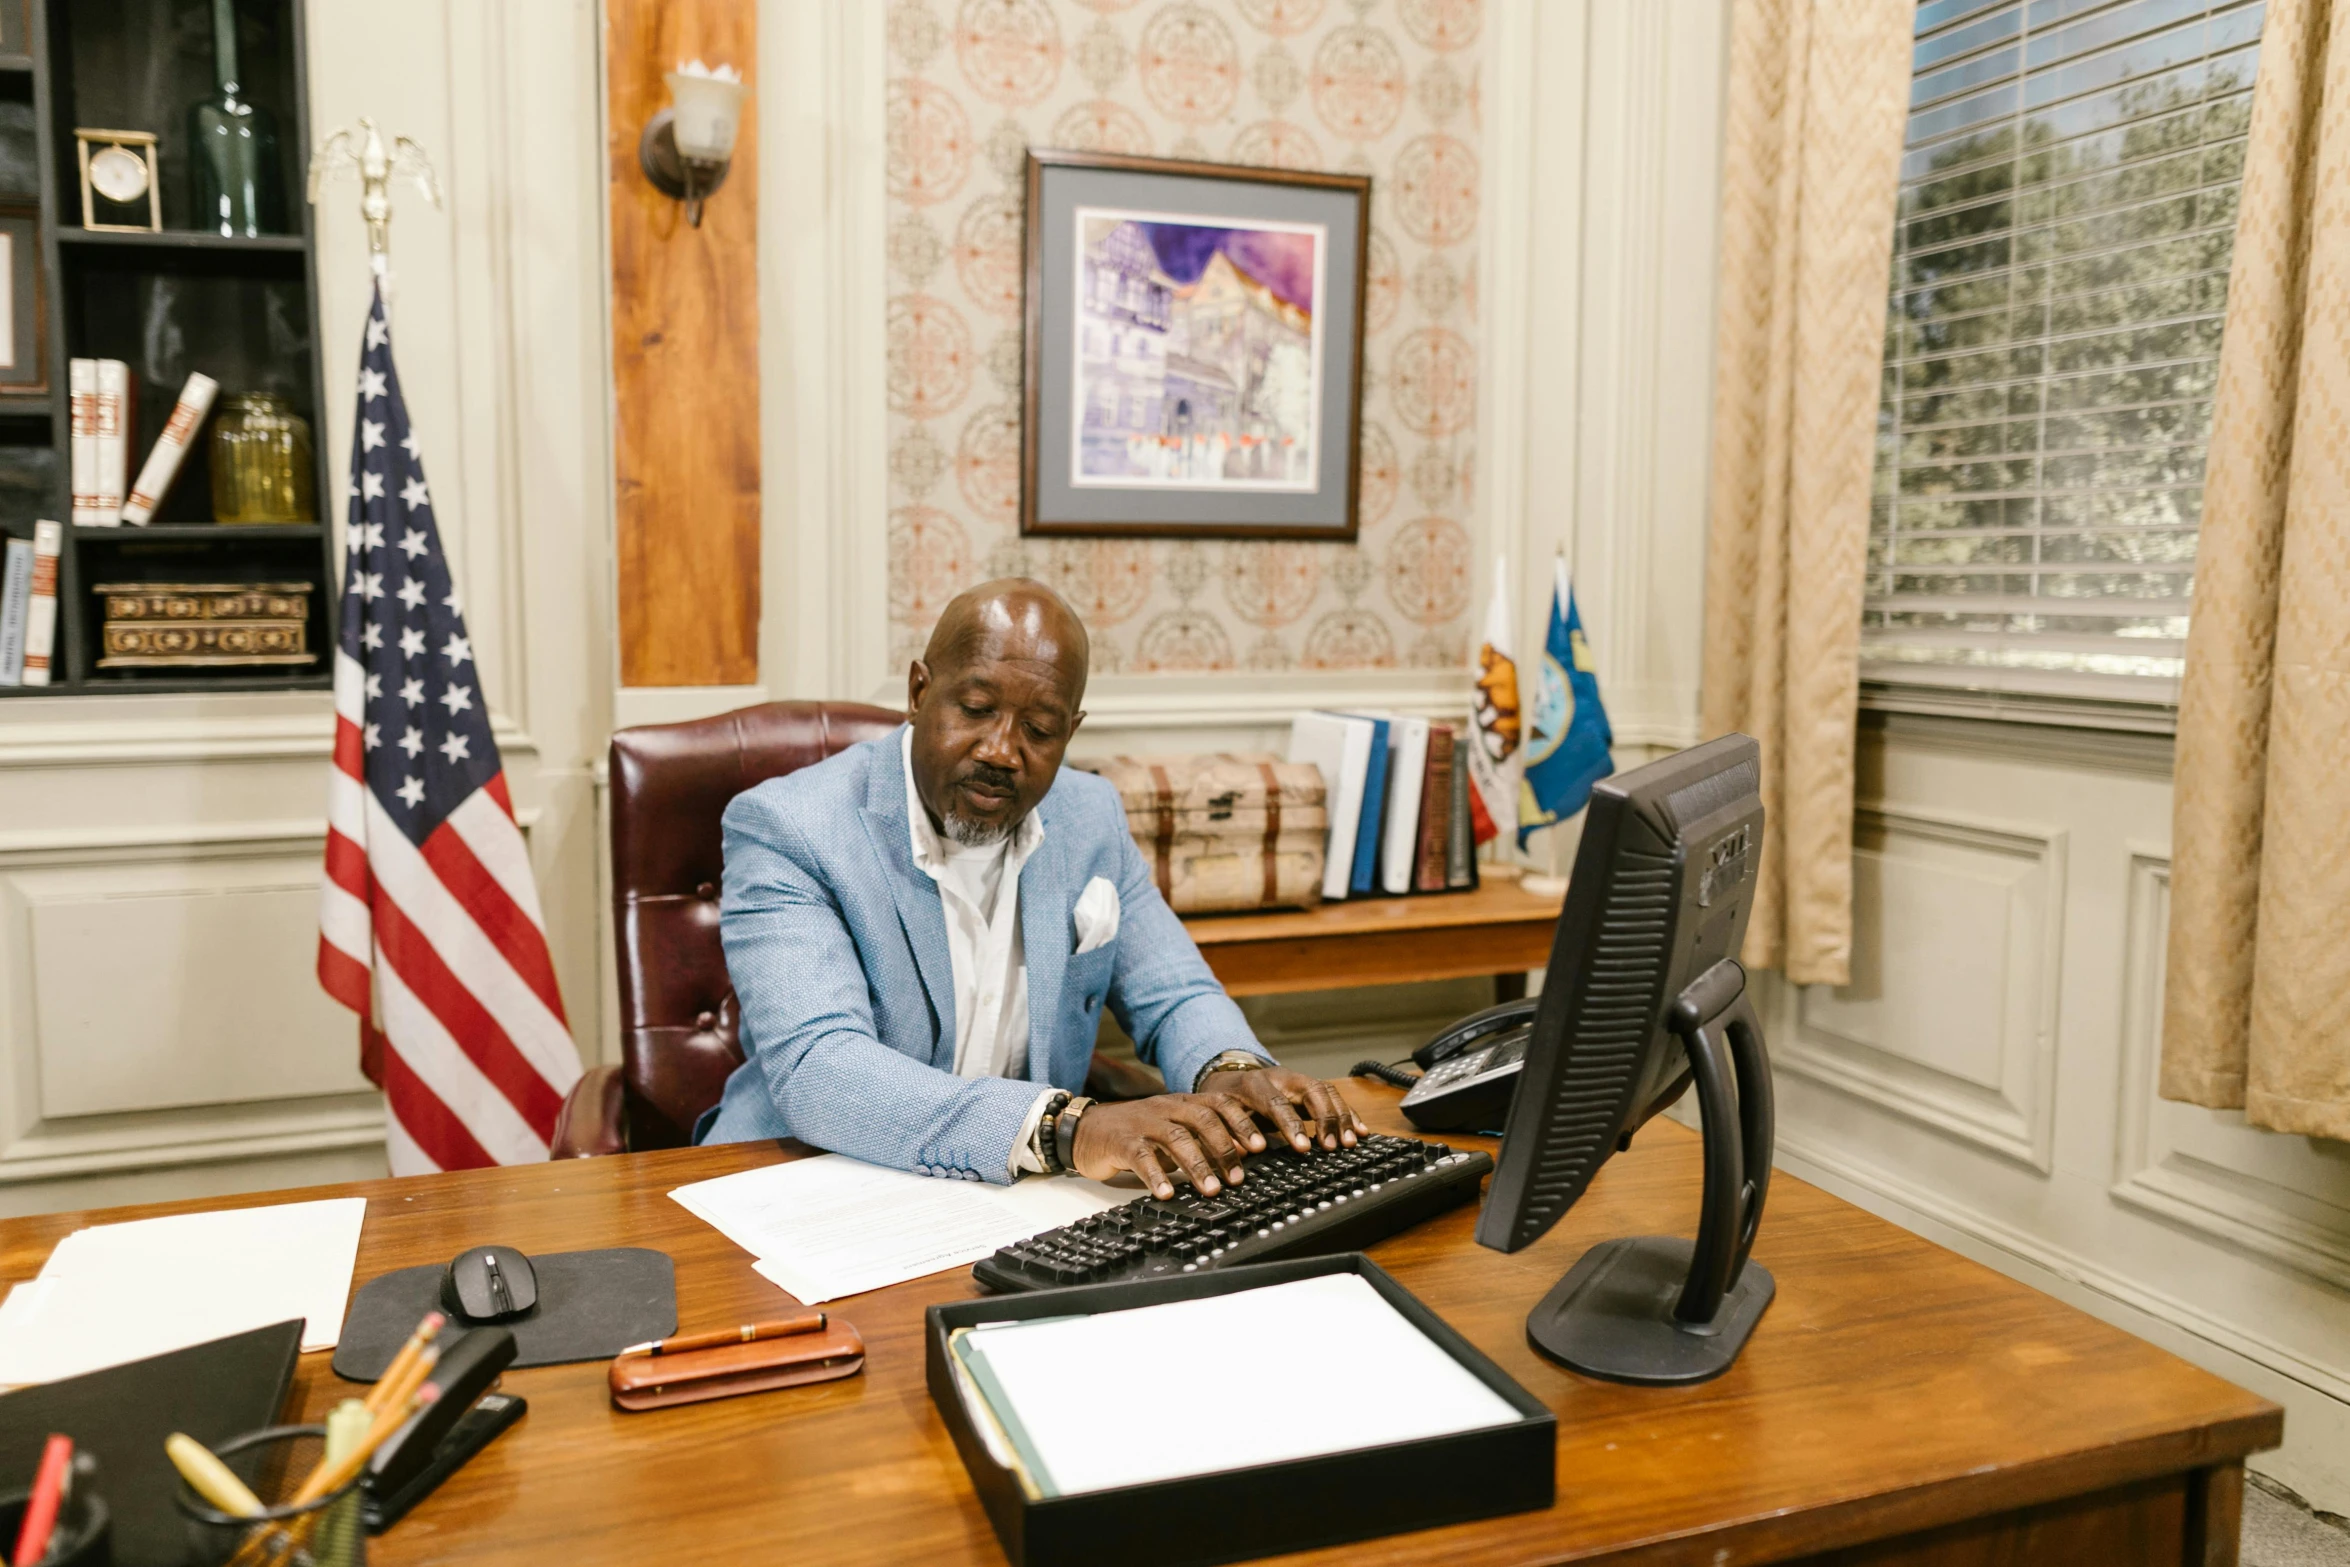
x=327 y=1478
x=425 y=1332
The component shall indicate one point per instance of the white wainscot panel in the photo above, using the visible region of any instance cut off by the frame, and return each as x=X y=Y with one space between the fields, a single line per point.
x=173 y=983
x=159 y=1009
x=1950 y=1018
x=2282 y=1198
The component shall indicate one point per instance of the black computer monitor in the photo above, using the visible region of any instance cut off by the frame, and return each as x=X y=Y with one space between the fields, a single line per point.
x=1643 y=996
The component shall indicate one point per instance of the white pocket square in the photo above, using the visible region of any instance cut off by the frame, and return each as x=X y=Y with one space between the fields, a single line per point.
x=1097 y=914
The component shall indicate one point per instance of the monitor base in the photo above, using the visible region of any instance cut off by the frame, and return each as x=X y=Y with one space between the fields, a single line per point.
x=1612 y=1316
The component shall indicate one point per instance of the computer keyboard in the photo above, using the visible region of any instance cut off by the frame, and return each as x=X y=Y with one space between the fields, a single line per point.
x=1290 y=1205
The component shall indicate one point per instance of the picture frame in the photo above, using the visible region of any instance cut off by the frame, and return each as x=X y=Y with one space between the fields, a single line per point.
x=1194 y=349
x=24 y=311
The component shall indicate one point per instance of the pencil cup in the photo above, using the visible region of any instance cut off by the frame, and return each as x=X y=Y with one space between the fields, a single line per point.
x=329 y=1532
x=84 y=1537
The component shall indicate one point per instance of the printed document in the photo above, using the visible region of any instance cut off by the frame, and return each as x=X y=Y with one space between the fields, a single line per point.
x=830 y=1226
x=115 y=1293
x=1054 y=1419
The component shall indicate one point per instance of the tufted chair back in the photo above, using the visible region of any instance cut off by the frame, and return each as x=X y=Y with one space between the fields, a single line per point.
x=670 y=785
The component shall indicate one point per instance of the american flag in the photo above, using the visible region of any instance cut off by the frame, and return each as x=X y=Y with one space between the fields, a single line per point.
x=429 y=928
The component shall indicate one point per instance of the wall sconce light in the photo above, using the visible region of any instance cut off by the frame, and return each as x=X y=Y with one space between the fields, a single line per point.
x=686 y=148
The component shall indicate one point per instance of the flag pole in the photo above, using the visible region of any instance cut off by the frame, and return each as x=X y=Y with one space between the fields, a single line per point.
x=376 y=166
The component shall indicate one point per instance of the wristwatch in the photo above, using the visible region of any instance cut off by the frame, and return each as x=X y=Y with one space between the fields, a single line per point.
x=1229 y=1061
x=1065 y=1130
x=1045 y=1146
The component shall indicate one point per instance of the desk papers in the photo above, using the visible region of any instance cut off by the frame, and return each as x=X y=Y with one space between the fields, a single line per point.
x=1411 y=1387
x=830 y=1226
x=115 y=1293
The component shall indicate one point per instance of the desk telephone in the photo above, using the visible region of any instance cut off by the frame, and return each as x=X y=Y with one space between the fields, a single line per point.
x=1467 y=1072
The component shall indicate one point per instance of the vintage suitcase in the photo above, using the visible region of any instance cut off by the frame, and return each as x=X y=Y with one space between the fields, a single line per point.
x=1224 y=832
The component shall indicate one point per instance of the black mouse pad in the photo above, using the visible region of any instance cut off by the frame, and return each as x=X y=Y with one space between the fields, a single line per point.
x=592 y=1305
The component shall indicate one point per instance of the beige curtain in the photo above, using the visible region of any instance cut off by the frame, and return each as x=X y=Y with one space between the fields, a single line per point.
x=1811 y=160
x=2257 y=1000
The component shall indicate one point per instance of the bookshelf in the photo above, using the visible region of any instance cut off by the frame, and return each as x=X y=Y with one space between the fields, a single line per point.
x=244 y=310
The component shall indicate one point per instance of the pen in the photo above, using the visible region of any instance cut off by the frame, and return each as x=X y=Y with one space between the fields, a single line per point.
x=209 y=1477
x=40 y=1513
x=749 y=1332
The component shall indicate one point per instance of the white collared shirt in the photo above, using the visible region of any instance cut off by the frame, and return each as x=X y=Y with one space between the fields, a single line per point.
x=979 y=893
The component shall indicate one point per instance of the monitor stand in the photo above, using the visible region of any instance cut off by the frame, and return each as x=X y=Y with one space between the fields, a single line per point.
x=1658 y=1310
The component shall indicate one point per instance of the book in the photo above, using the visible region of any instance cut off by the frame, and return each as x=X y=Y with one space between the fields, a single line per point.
x=1341 y=748
x=112 y=448
x=40 y=621
x=1407 y=772
x=1374 y=816
x=1460 y=845
x=170 y=450
x=1435 y=811
x=81 y=381
x=16 y=596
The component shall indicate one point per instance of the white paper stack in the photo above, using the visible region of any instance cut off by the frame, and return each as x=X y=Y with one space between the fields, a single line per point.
x=831 y=1226
x=115 y=1293
x=1054 y=1421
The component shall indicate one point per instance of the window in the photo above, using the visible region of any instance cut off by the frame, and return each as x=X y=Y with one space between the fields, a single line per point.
x=2060 y=268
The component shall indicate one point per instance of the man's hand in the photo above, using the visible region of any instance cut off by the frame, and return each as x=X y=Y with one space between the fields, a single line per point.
x=1278 y=1094
x=1201 y=1137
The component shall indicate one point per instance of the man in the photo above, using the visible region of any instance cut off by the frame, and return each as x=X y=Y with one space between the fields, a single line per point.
x=922 y=932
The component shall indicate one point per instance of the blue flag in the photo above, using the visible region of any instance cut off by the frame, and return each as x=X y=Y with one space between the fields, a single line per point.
x=1567 y=733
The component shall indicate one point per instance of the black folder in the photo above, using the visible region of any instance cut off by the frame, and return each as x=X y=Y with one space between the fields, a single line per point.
x=121 y=1415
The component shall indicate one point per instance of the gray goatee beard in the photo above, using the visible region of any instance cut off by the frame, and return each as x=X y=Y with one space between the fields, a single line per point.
x=976 y=835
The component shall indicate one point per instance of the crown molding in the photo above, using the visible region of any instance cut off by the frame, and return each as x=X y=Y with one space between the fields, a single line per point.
x=1224 y=701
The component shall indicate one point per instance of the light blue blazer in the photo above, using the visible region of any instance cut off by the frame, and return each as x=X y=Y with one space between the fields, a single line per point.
x=837 y=946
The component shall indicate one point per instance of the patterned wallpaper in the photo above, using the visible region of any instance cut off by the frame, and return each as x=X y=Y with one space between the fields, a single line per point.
x=1381 y=87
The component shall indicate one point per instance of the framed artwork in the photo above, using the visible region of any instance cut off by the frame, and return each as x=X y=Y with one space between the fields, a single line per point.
x=1194 y=362
x=24 y=316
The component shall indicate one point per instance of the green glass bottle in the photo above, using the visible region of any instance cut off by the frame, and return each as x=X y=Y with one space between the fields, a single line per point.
x=232 y=147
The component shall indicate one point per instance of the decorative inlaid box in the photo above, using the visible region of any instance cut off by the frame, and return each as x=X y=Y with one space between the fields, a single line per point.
x=157 y=625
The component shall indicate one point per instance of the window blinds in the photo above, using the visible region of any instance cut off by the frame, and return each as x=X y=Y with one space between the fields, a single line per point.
x=2060 y=267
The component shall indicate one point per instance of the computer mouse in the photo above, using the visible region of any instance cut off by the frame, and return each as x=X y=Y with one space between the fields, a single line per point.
x=489 y=1284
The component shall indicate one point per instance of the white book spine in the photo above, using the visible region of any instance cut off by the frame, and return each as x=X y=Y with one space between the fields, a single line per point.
x=113 y=455
x=16 y=592
x=1340 y=747
x=171 y=449
x=40 y=621
x=82 y=388
x=1407 y=772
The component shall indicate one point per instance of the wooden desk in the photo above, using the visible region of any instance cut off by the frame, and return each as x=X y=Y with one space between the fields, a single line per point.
x=1898 y=1404
x=1498 y=928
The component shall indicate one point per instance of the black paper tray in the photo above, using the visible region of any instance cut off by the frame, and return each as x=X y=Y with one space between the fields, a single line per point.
x=1234 y=1515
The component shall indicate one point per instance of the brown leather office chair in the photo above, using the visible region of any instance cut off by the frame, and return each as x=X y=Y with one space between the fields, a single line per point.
x=670 y=785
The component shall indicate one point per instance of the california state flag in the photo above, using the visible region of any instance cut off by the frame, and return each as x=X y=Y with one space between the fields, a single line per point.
x=1493 y=749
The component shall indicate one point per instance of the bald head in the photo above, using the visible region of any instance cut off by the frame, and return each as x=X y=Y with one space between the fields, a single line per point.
x=993 y=702
x=1013 y=617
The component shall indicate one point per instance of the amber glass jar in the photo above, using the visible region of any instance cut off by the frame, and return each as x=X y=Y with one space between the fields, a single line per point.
x=261 y=468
